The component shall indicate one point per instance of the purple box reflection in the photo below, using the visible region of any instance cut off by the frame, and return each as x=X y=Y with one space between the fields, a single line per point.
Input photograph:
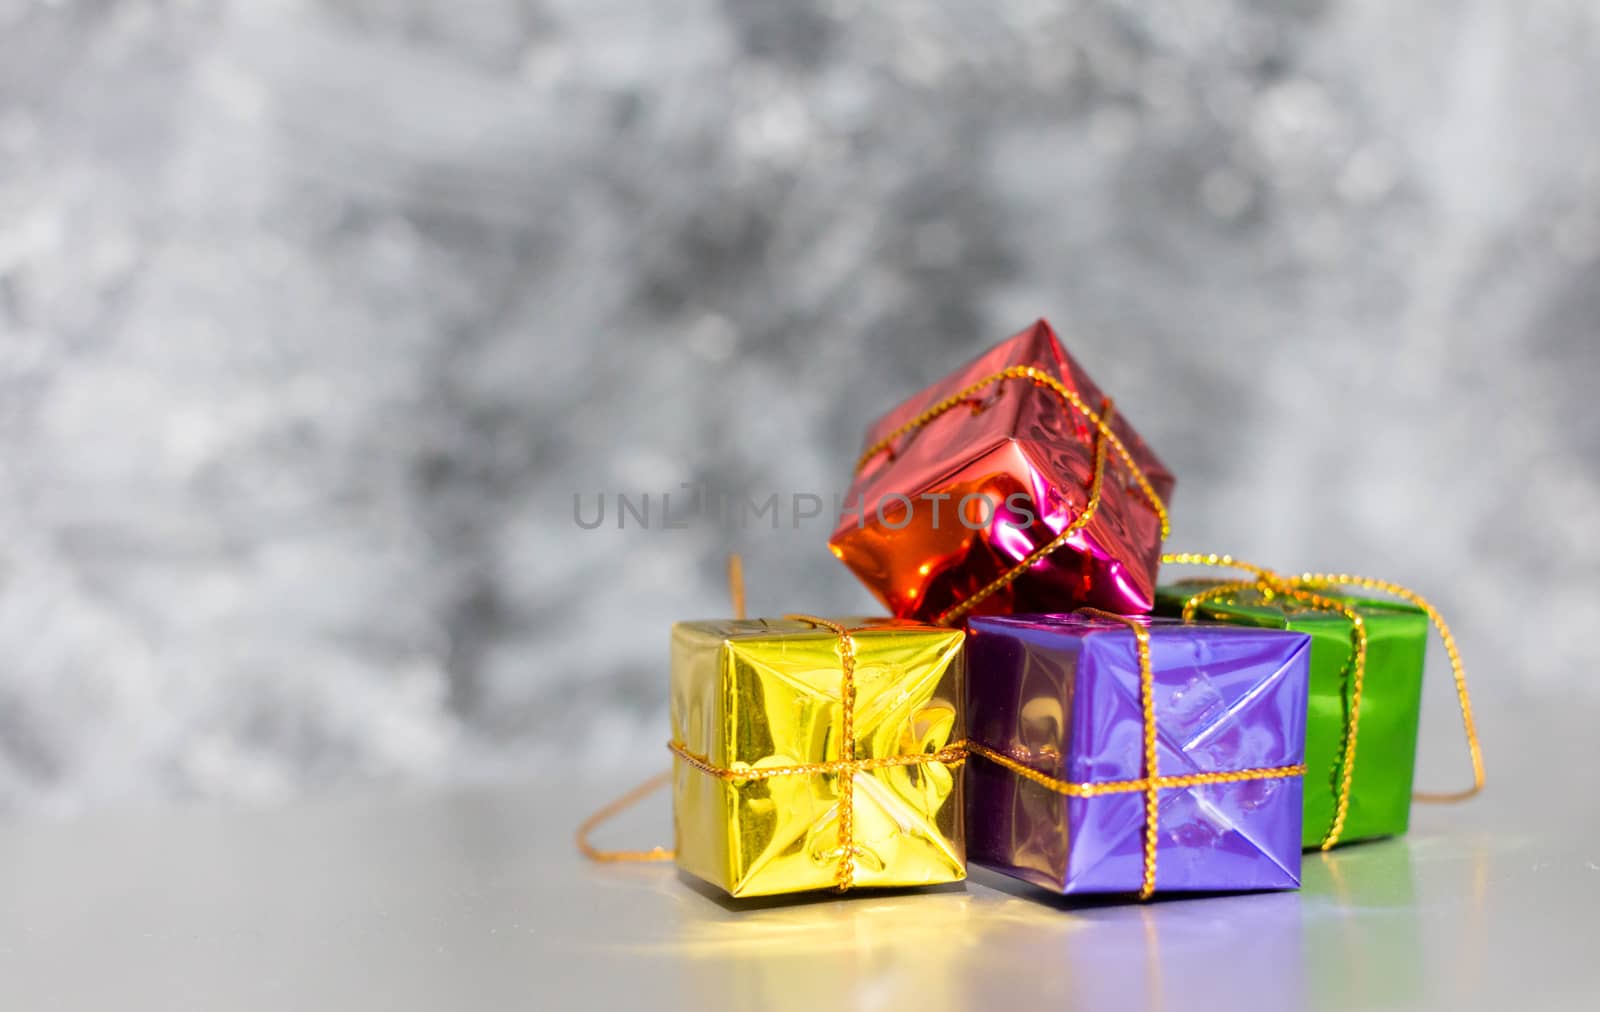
x=1060 y=694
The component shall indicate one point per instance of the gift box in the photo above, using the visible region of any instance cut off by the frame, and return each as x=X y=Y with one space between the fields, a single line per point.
x=1010 y=485
x=1385 y=744
x=1135 y=755
x=814 y=754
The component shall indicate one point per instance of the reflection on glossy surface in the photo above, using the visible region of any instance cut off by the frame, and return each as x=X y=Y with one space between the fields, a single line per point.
x=766 y=693
x=1375 y=931
x=1364 y=931
x=972 y=947
x=477 y=900
x=1381 y=952
x=791 y=955
x=1391 y=702
x=1170 y=956
x=1016 y=438
x=1061 y=695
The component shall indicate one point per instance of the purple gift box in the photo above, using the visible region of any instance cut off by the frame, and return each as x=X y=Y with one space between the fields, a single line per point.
x=1060 y=696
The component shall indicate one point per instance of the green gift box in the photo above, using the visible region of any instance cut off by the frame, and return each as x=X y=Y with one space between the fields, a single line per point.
x=1391 y=699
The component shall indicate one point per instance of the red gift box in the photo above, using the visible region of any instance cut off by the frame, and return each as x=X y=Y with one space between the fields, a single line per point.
x=979 y=495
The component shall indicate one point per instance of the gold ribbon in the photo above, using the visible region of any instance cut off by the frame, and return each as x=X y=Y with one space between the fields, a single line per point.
x=615 y=808
x=1152 y=782
x=1104 y=436
x=1305 y=589
x=612 y=809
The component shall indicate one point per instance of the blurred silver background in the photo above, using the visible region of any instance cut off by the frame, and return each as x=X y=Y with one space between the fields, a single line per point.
x=314 y=316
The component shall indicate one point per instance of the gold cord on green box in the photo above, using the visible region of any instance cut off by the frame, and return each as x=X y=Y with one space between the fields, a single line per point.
x=1366 y=686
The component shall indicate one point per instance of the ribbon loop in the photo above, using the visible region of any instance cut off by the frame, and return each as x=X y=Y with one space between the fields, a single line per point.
x=615 y=808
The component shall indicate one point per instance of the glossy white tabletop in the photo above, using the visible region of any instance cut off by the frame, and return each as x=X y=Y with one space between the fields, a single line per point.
x=476 y=900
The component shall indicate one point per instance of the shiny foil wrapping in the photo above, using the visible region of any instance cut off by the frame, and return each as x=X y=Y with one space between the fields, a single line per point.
x=1016 y=437
x=765 y=693
x=1391 y=701
x=1060 y=694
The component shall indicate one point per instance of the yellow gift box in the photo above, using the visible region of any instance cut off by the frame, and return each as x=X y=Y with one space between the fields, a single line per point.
x=814 y=753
